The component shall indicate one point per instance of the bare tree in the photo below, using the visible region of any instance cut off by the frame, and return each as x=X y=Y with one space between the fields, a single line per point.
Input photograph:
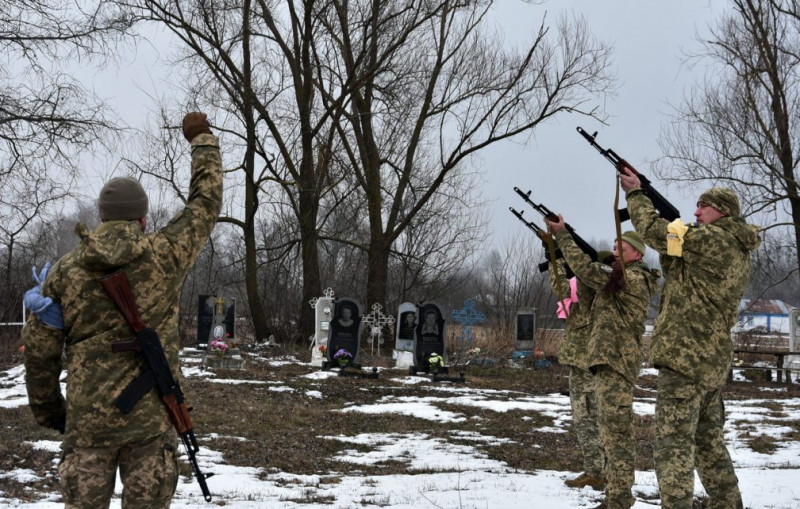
x=739 y=128
x=253 y=64
x=47 y=117
x=509 y=280
x=431 y=88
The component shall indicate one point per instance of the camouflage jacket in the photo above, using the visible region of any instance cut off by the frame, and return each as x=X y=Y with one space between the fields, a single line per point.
x=702 y=290
x=156 y=265
x=616 y=319
x=573 y=351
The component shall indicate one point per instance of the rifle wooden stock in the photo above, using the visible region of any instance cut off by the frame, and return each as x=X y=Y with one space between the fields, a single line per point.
x=178 y=414
x=119 y=289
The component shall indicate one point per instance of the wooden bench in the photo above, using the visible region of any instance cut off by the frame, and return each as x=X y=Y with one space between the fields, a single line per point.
x=780 y=354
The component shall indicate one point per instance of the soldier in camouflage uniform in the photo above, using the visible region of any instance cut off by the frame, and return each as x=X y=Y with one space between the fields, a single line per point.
x=618 y=312
x=706 y=267
x=574 y=353
x=100 y=438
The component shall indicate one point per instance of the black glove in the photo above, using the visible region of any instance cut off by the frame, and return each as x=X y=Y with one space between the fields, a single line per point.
x=617 y=281
x=195 y=123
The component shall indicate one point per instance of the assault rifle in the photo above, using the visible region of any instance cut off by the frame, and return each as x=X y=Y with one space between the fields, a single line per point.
x=664 y=207
x=552 y=216
x=156 y=371
x=541 y=233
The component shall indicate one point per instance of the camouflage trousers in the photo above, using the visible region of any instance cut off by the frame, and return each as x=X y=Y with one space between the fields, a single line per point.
x=148 y=470
x=584 y=419
x=689 y=435
x=615 y=412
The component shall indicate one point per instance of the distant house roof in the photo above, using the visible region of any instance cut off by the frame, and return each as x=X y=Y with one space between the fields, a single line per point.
x=763 y=307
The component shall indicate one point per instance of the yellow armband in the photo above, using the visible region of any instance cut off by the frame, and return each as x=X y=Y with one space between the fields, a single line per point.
x=675 y=232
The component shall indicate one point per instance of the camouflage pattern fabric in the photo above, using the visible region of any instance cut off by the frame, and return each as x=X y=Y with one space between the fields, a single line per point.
x=156 y=265
x=584 y=420
x=150 y=470
x=702 y=290
x=574 y=353
x=692 y=348
x=689 y=424
x=615 y=410
x=573 y=350
x=617 y=319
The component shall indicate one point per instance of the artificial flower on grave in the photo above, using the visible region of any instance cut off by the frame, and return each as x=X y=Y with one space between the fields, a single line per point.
x=474 y=351
x=537 y=354
x=218 y=347
x=21 y=350
x=343 y=357
x=322 y=349
x=435 y=362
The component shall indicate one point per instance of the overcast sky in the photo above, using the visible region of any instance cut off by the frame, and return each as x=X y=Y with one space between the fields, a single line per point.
x=650 y=40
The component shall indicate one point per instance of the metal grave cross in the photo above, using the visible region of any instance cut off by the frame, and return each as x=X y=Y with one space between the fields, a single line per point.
x=467 y=317
x=376 y=320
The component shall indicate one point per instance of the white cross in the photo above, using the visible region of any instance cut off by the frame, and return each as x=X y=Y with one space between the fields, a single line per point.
x=376 y=320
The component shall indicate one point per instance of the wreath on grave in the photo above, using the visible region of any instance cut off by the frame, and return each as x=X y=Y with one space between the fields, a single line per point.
x=343 y=357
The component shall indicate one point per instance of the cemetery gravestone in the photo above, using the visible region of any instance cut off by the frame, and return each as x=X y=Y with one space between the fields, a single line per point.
x=216 y=319
x=323 y=311
x=216 y=331
x=525 y=329
x=345 y=328
x=405 y=335
x=406 y=327
x=430 y=336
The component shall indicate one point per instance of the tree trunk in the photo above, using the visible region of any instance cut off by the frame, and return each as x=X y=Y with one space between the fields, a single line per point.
x=377 y=271
x=257 y=313
x=312 y=286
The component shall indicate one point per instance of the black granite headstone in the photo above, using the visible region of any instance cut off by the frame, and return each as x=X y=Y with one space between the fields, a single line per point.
x=344 y=331
x=216 y=318
x=430 y=335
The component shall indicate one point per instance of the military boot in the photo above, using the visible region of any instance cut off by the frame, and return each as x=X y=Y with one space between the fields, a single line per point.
x=596 y=481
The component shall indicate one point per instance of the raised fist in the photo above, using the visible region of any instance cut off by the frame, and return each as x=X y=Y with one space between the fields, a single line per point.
x=195 y=123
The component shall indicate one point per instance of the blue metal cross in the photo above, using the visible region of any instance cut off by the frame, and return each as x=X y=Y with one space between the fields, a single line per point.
x=467 y=317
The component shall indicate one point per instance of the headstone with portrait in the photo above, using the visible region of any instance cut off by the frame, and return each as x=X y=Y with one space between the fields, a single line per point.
x=345 y=328
x=405 y=333
x=429 y=337
x=216 y=324
x=216 y=319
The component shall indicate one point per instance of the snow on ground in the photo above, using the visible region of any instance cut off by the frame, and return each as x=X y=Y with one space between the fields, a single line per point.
x=446 y=475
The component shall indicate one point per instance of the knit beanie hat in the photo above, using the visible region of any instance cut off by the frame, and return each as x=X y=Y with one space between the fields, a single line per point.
x=633 y=238
x=722 y=199
x=122 y=198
